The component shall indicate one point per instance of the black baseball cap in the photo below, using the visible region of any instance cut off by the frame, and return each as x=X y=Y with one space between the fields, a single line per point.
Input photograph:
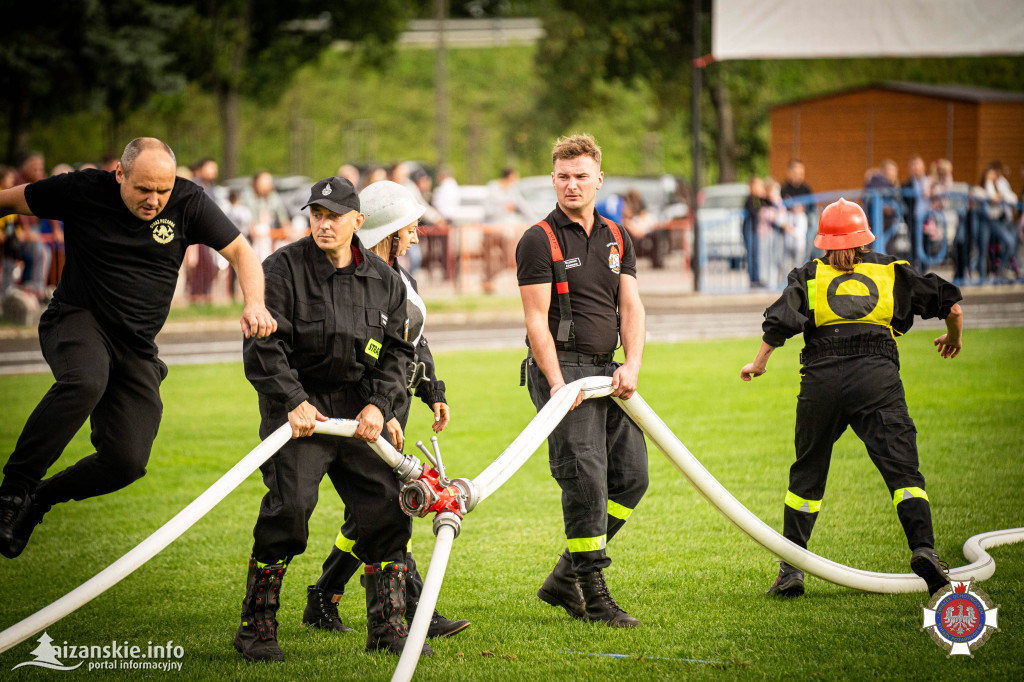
x=334 y=194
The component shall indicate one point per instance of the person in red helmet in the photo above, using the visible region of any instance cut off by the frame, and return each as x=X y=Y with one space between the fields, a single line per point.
x=851 y=305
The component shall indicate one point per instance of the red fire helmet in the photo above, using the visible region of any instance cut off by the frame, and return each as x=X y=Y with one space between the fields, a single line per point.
x=843 y=225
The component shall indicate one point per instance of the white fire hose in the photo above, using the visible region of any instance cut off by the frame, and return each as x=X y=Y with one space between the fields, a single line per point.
x=446 y=525
x=182 y=521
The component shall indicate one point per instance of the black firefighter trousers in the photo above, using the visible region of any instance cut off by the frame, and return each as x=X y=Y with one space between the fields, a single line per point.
x=866 y=393
x=99 y=378
x=599 y=459
x=367 y=486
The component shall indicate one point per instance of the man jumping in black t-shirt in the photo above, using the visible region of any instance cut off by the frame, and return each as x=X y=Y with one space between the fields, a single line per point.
x=125 y=237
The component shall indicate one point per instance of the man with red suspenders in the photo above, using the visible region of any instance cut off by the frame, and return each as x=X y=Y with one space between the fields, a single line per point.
x=577 y=279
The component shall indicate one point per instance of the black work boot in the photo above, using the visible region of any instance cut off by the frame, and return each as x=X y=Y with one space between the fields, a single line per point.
x=439 y=625
x=600 y=605
x=385 y=608
x=322 y=611
x=789 y=583
x=256 y=638
x=19 y=516
x=11 y=507
x=925 y=563
x=561 y=588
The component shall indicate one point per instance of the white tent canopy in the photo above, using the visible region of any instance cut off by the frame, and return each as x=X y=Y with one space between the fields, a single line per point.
x=811 y=29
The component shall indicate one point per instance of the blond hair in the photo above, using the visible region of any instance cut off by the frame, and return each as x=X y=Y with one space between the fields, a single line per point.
x=575 y=146
x=383 y=248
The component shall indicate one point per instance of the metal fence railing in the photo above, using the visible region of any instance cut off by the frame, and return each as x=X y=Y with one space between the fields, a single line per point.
x=967 y=238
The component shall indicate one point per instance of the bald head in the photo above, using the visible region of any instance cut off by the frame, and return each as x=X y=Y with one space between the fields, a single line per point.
x=146 y=175
x=142 y=144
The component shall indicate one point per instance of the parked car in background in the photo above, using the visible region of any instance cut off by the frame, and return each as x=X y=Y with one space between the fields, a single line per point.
x=720 y=214
x=472 y=205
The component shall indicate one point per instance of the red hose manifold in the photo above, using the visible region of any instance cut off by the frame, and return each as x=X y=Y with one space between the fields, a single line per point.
x=426 y=495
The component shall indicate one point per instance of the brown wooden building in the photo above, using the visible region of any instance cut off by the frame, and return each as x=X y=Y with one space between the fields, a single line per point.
x=840 y=135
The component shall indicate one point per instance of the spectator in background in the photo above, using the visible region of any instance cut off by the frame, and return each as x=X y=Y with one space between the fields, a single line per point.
x=752 y=210
x=881 y=190
x=350 y=173
x=446 y=196
x=996 y=239
x=200 y=261
x=205 y=174
x=916 y=193
x=777 y=239
x=10 y=236
x=375 y=174
x=109 y=162
x=800 y=210
x=270 y=219
x=503 y=212
x=184 y=172
x=35 y=250
x=446 y=201
x=948 y=217
x=241 y=217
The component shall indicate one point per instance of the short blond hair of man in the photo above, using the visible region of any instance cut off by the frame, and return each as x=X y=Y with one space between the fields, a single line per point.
x=575 y=146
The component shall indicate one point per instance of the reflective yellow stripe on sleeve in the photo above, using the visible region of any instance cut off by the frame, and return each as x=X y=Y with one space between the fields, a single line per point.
x=586 y=544
x=908 y=494
x=618 y=511
x=344 y=544
x=812 y=292
x=794 y=501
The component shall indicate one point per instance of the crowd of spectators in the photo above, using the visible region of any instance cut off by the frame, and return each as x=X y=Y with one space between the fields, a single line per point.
x=777 y=234
x=977 y=228
x=926 y=217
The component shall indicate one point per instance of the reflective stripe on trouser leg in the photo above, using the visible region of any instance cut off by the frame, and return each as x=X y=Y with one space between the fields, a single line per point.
x=344 y=544
x=915 y=514
x=794 y=501
x=617 y=515
x=902 y=494
x=586 y=544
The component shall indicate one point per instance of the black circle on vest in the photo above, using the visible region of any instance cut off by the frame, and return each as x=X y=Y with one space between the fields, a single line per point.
x=848 y=306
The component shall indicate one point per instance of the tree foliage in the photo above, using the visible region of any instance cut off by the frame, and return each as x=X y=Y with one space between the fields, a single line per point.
x=253 y=47
x=63 y=56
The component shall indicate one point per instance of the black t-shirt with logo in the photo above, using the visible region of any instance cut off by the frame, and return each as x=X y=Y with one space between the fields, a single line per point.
x=593 y=266
x=119 y=267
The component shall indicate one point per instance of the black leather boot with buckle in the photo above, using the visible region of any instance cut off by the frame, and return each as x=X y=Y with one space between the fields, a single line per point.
x=256 y=638
x=385 y=608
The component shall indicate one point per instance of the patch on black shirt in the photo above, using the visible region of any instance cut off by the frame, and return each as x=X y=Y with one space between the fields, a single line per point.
x=121 y=268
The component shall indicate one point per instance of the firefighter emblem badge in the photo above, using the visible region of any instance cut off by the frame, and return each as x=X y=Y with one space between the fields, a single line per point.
x=613 y=257
x=960 y=618
x=163 y=231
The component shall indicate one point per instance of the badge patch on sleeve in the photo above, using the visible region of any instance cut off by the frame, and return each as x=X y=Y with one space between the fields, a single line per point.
x=373 y=348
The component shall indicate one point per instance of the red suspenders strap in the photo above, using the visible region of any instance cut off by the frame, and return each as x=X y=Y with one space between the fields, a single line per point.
x=565 y=327
x=617 y=234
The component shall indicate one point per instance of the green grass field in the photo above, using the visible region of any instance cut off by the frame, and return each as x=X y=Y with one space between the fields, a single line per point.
x=695 y=581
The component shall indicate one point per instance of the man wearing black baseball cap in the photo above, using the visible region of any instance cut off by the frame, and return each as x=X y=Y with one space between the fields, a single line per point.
x=339 y=350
